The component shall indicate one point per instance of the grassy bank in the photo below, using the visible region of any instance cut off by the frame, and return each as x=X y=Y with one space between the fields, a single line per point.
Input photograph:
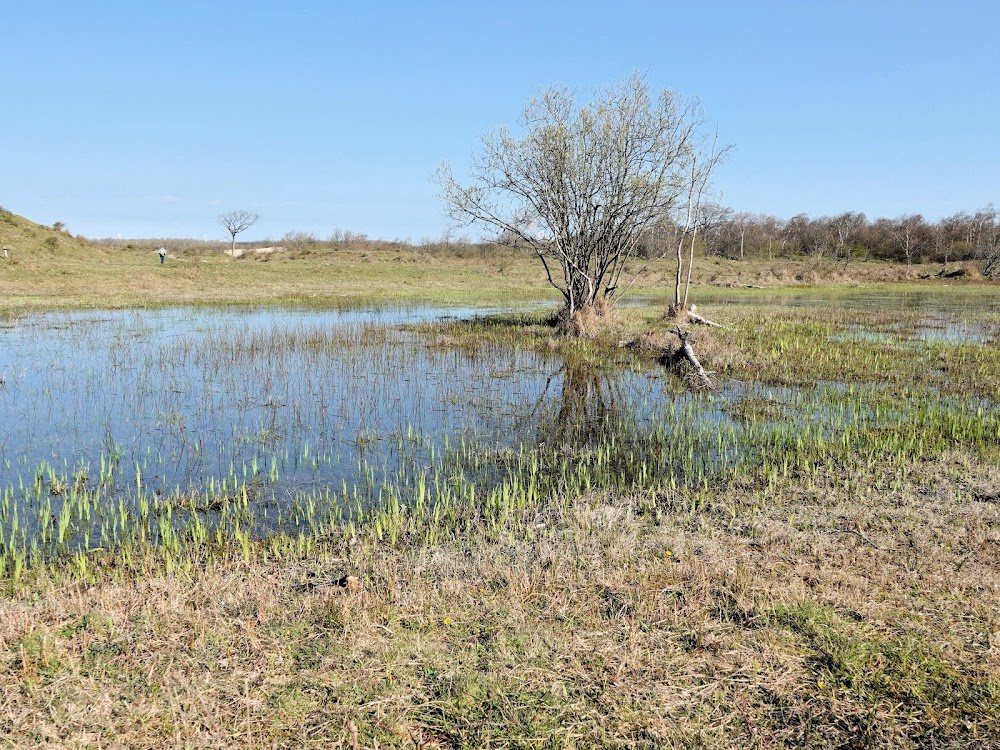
x=846 y=613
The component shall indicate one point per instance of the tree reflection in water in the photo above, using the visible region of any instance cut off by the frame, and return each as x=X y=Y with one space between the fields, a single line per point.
x=586 y=411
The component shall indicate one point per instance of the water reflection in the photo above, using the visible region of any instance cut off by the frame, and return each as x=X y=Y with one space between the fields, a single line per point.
x=295 y=400
x=580 y=407
x=298 y=401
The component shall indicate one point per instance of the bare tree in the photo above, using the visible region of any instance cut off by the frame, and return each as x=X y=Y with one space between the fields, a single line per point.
x=847 y=226
x=817 y=238
x=771 y=228
x=236 y=222
x=990 y=260
x=745 y=224
x=697 y=215
x=986 y=241
x=951 y=236
x=582 y=184
x=906 y=232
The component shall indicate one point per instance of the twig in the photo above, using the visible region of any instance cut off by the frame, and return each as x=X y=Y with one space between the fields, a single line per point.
x=860 y=536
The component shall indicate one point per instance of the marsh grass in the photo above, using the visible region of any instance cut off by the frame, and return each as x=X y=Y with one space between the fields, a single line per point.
x=778 y=563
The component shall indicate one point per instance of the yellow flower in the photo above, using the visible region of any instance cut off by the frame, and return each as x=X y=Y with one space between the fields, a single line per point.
x=821 y=684
x=448 y=621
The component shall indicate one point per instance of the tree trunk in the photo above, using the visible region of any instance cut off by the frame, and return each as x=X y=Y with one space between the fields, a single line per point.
x=680 y=261
x=698 y=320
x=687 y=285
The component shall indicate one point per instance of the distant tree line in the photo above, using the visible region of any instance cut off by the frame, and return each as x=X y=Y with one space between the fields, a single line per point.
x=722 y=232
x=843 y=238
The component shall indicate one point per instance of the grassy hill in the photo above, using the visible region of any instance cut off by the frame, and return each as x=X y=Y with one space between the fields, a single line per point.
x=31 y=243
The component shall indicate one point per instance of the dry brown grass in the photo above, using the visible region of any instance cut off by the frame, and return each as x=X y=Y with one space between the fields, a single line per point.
x=840 y=614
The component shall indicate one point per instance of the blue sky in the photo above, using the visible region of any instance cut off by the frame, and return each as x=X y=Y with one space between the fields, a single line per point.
x=149 y=119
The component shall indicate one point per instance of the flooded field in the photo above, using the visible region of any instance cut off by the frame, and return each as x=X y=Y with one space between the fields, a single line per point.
x=950 y=315
x=169 y=426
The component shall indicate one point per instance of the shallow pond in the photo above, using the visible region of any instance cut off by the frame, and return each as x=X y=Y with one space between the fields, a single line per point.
x=300 y=399
x=104 y=410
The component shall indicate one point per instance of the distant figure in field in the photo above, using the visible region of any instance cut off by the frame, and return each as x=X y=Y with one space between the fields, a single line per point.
x=5 y=251
x=163 y=254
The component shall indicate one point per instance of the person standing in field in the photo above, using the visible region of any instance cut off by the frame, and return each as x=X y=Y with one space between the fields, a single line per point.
x=163 y=254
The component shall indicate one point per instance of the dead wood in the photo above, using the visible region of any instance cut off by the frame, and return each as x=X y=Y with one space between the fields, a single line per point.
x=681 y=315
x=698 y=319
x=686 y=352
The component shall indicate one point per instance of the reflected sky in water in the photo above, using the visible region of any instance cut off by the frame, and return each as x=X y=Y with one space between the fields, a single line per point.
x=306 y=398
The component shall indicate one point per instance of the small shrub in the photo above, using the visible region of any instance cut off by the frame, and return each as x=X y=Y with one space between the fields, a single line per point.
x=52 y=243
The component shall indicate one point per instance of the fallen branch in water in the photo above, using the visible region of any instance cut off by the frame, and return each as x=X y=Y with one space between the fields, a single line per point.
x=686 y=352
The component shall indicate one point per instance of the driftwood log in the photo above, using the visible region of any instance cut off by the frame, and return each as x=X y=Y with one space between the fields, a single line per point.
x=686 y=352
x=684 y=315
x=697 y=319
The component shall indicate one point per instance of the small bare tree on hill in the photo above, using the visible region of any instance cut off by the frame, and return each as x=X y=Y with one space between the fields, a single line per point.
x=582 y=183
x=236 y=222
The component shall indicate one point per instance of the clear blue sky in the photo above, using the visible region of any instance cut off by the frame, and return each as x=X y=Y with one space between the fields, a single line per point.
x=148 y=119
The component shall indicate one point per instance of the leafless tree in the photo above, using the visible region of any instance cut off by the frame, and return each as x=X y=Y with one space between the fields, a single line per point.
x=714 y=225
x=771 y=228
x=236 y=222
x=847 y=226
x=697 y=215
x=983 y=226
x=906 y=233
x=952 y=236
x=745 y=224
x=990 y=259
x=820 y=238
x=987 y=240
x=582 y=183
